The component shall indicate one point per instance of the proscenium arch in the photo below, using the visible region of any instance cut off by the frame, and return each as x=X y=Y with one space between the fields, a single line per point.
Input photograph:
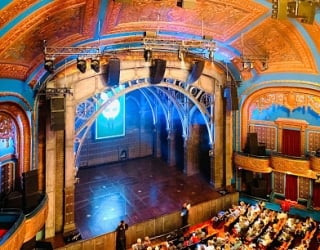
x=197 y=96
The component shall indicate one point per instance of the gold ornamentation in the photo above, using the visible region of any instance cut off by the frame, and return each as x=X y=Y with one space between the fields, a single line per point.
x=7 y=129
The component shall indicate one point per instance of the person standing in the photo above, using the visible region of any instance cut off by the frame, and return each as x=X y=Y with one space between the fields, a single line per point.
x=121 y=235
x=185 y=214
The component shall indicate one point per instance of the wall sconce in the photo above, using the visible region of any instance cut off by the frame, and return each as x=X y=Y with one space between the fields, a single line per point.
x=81 y=64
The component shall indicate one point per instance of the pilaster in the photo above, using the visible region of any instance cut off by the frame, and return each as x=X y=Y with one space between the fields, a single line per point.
x=70 y=169
x=217 y=167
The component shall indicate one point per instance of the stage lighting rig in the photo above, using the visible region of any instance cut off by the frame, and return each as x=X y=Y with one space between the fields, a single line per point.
x=248 y=61
x=204 y=47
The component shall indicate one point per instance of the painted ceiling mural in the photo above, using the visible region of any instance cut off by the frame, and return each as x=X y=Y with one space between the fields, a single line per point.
x=238 y=27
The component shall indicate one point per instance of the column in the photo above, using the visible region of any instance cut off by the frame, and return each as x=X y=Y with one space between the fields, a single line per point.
x=228 y=148
x=157 y=141
x=217 y=167
x=50 y=228
x=191 y=151
x=171 y=148
x=70 y=170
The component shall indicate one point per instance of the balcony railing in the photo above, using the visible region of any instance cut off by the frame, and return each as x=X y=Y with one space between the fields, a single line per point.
x=20 y=228
x=300 y=166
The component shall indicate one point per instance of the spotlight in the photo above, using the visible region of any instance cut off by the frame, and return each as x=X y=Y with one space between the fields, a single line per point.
x=147 y=55
x=82 y=65
x=264 y=65
x=181 y=54
x=211 y=55
x=95 y=64
x=49 y=64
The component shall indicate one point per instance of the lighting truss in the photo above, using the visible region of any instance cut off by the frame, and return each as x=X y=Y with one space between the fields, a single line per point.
x=248 y=61
x=50 y=92
x=67 y=51
x=175 y=45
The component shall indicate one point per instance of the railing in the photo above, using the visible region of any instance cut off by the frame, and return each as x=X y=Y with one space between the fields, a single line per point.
x=13 y=238
x=24 y=227
x=36 y=219
x=308 y=167
x=158 y=226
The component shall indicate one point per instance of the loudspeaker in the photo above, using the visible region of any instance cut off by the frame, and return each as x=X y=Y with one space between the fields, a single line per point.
x=196 y=71
x=231 y=96
x=234 y=98
x=30 y=182
x=57 y=121
x=157 y=70
x=113 y=72
x=57 y=103
x=252 y=143
x=31 y=201
x=57 y=117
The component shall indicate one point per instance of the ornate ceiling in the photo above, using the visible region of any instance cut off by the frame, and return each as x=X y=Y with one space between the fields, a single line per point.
x=238 y=27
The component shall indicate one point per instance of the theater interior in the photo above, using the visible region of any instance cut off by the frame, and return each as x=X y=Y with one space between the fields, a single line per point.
x=116 y=110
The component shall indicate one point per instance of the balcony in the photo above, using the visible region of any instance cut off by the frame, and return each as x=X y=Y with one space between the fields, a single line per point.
x=299 y=166
x=18 y=228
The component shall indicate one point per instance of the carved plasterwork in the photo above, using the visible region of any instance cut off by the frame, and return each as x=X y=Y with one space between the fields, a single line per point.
x=7 y=128
x=220 y=19
x=297 y=167
x=300 y=167
x=254 y=164
x=14 y=9
x=239 y=26
x=57 y=25
x=291 y=100
x=285 y=46
x=315 y=163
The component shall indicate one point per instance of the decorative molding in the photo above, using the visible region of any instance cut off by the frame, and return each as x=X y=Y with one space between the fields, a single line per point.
x=254 y=164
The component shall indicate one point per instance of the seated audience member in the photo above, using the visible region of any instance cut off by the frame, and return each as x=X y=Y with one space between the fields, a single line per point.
x=210 y=245
x=146 y=242
x=171 y=246
x=138 y=245
x=194 y=238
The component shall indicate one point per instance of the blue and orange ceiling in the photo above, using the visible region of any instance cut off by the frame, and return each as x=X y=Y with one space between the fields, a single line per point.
x=238 y=26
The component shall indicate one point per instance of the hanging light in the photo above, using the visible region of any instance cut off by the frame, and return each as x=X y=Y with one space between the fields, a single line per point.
x=81 y=65
x=211 y=55
x=147 y=55
x=95 y=64
x=181 y=53
x=49 y=64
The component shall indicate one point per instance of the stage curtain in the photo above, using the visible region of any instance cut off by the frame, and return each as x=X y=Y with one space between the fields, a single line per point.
x=316 y=195
x=291 y=187
x=291 y=142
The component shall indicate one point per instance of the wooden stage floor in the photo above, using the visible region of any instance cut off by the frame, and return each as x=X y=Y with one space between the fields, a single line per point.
x=134 y=191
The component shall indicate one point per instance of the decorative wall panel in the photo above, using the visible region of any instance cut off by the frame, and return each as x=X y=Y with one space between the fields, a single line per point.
x=304 y=187
x=278 y=183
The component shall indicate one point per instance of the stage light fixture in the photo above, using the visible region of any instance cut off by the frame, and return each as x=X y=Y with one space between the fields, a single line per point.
x=181 y=53
x=211 y=55
x=49 y=64
x=95 y=64
x=81 y=65
x=147 y=55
